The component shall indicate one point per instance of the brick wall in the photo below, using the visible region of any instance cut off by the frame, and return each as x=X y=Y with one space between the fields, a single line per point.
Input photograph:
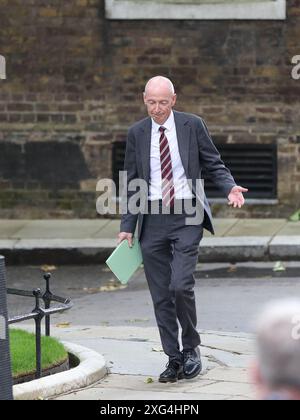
x=74 y=83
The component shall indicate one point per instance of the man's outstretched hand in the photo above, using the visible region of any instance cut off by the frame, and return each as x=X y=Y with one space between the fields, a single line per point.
x=125 y=235
x=235 y=197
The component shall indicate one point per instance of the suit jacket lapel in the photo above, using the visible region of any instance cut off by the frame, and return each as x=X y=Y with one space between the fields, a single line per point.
x=183 y=137
x=145 y=148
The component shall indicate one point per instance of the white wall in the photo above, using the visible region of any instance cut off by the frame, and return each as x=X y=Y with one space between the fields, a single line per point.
x=196 y=9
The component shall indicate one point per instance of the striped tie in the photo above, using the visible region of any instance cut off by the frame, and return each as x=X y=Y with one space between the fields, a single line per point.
x=168 y=193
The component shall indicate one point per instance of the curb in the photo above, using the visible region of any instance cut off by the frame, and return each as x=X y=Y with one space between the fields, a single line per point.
x=91 y=369
x=56 y=251
x=96 y=251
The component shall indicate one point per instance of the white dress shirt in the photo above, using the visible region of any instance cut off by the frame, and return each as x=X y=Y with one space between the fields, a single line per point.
x=182 y=189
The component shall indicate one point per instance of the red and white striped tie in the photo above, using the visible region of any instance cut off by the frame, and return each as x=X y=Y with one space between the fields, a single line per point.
x=168 y=192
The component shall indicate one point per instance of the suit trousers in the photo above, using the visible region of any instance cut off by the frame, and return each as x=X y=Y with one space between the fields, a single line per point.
x=170 y=253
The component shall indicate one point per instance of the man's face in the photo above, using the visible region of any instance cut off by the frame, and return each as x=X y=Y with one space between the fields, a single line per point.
x=159 y=103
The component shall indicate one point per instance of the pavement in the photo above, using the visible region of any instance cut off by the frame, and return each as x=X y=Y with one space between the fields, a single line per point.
x=226 y=358
x=135 y=359
x=118 y=323
x=90 y=241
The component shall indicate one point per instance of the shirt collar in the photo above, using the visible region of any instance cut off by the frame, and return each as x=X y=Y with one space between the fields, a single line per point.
x=167 y=124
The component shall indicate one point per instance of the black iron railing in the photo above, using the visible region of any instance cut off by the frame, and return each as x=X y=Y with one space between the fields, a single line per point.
x=39 y=313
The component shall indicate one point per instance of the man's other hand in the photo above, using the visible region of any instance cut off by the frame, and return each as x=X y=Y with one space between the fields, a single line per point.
x=125 y=235
x=235 y=197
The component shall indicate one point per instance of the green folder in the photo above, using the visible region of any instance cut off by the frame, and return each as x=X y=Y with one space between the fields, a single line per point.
x=124 y=261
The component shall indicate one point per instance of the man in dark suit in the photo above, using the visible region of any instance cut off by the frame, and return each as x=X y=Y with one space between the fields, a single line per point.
x=168 y=151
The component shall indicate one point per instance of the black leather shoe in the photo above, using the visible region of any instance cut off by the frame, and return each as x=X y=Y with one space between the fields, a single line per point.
x=192 y=365
x=172 y=373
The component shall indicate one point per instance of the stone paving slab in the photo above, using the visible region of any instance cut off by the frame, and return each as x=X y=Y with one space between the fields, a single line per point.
x=256 y=227
x=227 y=343
x=115 y=394
x=133 y=333
x=8 y=228
x=146 y=361
x=228 y=389
x=225 y=358
x=240 y=375
x=290 y=229
x=128 y=387
x=53 y=243
x=140 y=382
x=222 y=226
x=233 y=343
x=109 y=230
x=59 y=229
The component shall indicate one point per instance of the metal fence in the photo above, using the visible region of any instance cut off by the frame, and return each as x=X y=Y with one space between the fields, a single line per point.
x=39 y=313
x=5 y=369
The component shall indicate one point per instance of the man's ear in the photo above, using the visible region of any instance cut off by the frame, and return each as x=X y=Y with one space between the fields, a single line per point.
x=144 y=98
x=174 y=99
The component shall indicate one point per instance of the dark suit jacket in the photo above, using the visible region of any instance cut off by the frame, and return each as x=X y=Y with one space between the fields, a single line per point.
x=196 y=150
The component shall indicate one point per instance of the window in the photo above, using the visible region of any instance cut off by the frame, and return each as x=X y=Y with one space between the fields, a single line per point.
x=196 y=9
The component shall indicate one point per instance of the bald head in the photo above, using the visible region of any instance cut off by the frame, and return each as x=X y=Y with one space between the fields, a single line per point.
x=159 y=98
x=160 y=83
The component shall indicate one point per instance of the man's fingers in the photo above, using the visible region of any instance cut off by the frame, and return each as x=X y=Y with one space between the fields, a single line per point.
x=122 y=236
x=238 y=202
x=128 y=236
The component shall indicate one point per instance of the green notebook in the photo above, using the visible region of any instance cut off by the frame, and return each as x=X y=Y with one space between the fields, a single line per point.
x=124 y=261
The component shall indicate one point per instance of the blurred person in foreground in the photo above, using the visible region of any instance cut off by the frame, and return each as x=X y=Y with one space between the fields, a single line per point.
x=276 y=371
